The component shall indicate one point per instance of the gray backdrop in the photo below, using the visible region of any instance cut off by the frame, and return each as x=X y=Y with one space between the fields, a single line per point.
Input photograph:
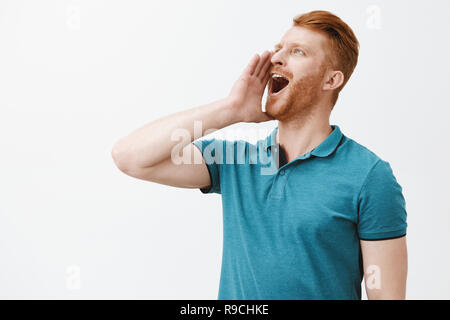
x=75 y=76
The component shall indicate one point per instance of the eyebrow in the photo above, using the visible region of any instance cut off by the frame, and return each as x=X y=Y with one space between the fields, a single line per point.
x=296 y=44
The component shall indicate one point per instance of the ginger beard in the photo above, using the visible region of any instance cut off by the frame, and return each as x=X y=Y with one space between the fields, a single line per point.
x=298 y=99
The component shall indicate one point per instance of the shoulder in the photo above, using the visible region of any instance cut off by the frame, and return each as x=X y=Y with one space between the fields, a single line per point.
x=365 y=164
x=376 y=172
x=360 y=156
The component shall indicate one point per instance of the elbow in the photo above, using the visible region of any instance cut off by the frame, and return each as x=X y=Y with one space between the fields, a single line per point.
x=125 y=159
x=120 y=158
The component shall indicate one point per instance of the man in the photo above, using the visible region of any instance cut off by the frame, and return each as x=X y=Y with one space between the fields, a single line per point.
x=330 y=211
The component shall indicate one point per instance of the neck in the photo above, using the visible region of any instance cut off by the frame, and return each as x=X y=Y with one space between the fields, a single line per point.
x=302 y=135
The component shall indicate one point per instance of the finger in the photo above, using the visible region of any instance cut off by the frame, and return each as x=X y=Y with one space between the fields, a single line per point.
x=264 y=56
x=266 y=66
x=250 y=69
x=265 y=79
x=265 y=74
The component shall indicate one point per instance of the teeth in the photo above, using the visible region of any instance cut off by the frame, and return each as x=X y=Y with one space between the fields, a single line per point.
x=277 y=76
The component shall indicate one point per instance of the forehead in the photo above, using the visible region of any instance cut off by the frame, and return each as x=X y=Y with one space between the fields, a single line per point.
x=315 y=41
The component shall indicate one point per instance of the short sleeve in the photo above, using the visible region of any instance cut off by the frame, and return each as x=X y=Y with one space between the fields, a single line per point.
x=381 y=210
x=212 y=151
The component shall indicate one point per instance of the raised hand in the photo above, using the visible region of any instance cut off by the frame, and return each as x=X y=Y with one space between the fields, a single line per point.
x=246 y=93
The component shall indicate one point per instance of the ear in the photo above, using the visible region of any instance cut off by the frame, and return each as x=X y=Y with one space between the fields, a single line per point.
x=334 y=80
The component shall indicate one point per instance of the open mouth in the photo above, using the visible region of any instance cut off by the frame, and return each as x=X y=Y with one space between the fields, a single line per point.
x=277 y=84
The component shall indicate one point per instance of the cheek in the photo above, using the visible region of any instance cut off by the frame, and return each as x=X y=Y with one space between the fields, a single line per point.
x=305 y=71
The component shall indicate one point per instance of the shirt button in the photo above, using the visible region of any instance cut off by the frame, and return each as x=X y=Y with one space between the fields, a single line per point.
x=282 y=172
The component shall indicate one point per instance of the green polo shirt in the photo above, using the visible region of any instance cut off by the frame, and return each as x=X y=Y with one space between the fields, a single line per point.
x=292 y=230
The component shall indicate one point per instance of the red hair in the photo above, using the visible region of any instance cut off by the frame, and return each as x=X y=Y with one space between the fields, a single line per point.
x=344 y=46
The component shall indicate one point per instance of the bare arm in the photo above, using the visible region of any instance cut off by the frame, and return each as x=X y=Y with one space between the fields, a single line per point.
x=385 y=268
x=148 y=152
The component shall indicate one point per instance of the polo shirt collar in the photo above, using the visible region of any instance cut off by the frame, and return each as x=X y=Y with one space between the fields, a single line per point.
x=324 y=149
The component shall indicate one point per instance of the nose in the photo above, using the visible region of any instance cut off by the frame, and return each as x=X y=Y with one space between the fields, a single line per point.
x=277 y=58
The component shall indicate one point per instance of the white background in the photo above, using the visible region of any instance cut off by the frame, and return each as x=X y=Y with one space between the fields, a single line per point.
x=75 y=76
